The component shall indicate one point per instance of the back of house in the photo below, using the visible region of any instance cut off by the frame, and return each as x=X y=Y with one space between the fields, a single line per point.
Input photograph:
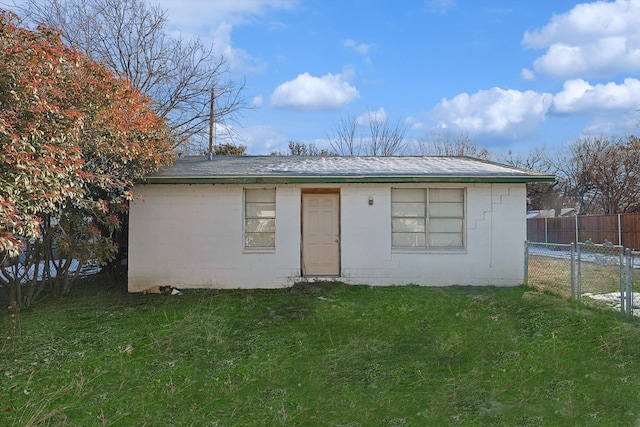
x=272 y=221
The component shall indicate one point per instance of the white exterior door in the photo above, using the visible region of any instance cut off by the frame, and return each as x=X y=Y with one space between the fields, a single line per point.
x=321 y=234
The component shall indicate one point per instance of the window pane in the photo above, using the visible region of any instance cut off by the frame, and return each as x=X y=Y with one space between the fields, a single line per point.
x=260 y=225
x=260 y=240
x=261 y=210
x=446 y=195
x=446 y=210
x=445 y=240
x=253 y=195
x=448 y=225
x=408 y=195
x=411 y=225
x=407 y=209
x=408 y=240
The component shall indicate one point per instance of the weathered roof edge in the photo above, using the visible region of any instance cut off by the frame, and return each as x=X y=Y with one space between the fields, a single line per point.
x=345 y=179
x=333 y=170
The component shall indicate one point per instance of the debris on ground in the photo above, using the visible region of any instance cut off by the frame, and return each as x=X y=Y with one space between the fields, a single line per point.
x=165 y=290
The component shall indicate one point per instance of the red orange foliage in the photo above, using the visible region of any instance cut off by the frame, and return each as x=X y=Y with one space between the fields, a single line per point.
x=73 y=138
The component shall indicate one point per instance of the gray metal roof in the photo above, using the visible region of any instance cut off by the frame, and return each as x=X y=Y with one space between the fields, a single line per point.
x=299 y=169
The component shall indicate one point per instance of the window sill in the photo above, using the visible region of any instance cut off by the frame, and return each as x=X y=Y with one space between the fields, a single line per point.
x=259 y=250
x=429 y=251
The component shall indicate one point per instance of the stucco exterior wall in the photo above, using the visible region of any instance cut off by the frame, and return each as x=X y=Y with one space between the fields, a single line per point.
x=191 y=236
x=495 y=235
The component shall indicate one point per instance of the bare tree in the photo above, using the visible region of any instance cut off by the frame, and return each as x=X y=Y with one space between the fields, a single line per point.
x=605 y=174
x=230 y=149
x=540 y=195
x=445 y=144
x=537 y=160
x=132 y=39
x=297 y=148
x=302 y=149
x=384 y=138
x=346 y=142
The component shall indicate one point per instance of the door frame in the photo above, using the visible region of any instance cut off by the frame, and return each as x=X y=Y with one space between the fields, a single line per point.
x=303 y=192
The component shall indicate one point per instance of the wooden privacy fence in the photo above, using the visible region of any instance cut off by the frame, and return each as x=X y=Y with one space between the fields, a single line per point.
x=620 y=229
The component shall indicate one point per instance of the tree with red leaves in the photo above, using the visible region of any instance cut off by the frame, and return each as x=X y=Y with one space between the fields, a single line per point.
x=73 y=138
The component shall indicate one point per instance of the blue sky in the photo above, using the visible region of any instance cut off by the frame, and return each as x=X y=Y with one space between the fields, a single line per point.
x=510 y=74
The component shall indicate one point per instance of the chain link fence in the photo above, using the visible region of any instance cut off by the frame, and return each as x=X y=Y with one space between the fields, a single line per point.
x=602 y=272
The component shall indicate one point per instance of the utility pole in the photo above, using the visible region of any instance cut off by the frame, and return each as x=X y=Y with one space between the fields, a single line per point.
x=211 y=125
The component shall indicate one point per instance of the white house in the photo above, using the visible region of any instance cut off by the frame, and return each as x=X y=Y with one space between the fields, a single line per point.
x=272 y=221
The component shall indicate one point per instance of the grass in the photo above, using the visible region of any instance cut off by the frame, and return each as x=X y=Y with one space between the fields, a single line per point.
x=319 y=355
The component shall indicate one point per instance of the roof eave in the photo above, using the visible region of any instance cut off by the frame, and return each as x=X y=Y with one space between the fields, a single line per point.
x=398 y=179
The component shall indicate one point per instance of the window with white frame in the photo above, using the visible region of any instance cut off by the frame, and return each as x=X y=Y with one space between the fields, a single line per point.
x=260 y=217
x=430 y=218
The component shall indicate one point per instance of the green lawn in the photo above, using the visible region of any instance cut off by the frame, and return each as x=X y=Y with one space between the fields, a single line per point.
x=319 y=355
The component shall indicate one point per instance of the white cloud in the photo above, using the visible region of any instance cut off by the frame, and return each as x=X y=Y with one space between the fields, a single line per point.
x=197 y=13
x=197 y=17
x=579 y=96
x=257 y=101
x=379 y=116
x=414 y=123
x=262 y=139
x=592 y=39
x=277 y=26
x=497 y=111
x=310 y=93
x=360 y=48
x=348 y=73
x=238 y=59
x=511 y=114
x=612 y=123
x=526 y=74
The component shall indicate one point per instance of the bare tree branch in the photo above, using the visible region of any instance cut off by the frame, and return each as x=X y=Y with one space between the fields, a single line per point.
x=602 y=174
x=345 y=142
x=384 y=139
x=445 y=144
x=131 y=38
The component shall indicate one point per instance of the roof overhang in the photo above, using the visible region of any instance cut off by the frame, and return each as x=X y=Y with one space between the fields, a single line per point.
x=339 y=170
x=344 y=179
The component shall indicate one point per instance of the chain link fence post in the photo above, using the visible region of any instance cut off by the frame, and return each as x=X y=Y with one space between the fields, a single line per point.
x=629 y=283
x=572 y=263
x=526 y=263
x=579 y=272
x=623 y=275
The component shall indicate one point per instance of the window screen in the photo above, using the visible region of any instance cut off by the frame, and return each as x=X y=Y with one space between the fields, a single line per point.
x=427 y=217
x=260 y=218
